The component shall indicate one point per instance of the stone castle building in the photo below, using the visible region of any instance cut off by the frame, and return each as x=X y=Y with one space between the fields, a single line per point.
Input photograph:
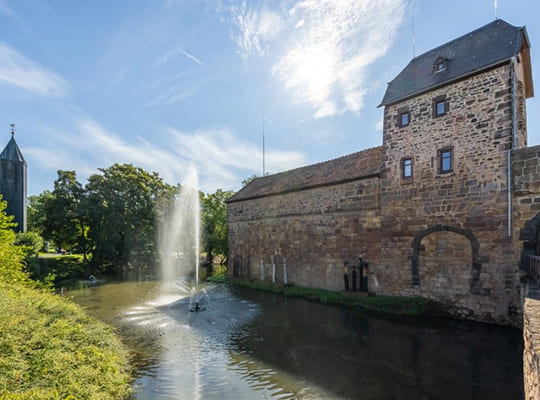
x=13 y=182
x=445 y=209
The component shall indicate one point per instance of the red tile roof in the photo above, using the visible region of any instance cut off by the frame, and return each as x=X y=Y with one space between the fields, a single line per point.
x=362 y=164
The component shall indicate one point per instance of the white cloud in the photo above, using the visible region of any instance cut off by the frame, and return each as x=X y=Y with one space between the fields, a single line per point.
x=253 y=28
x=17 y=70
x=178 y=50
x=174 y=94
x=5 y=9
x=379 y=125
x=226 y=160
x=338 y=40
x=328 y=44
x=190 y=56
x=222 y=159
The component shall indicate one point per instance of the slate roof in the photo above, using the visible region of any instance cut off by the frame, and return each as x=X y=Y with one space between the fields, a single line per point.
x=481 y=49
x=362 y=164
x=12 y=151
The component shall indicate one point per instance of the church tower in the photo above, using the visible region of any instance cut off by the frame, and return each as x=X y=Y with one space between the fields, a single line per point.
x=13 y=182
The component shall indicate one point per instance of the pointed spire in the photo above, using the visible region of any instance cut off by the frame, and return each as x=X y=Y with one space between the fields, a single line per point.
x=12 y=151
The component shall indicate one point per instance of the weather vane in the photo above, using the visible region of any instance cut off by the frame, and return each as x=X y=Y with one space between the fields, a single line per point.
x=12 y=129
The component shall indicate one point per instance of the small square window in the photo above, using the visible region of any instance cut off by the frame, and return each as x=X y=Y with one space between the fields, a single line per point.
x=406 y=168
x=446 y=161
x=440 y=66
x=440 y=107
x=404 y=119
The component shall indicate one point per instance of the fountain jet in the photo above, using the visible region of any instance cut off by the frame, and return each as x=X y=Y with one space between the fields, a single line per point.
x=180 y=241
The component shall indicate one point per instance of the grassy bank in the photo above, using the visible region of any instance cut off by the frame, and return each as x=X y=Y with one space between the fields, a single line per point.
x=400 y=305
x=50 y=349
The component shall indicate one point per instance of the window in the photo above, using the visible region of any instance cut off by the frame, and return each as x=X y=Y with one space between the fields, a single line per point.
x=446 y=161
x=440 y=66
x=404 y=119
x=440 y=106
x=406 y=168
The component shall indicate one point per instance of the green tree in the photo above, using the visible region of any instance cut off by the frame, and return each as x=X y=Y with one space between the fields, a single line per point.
x=11 y=255
x=248 y=180
x=214 y=216
x=123 y=205
x=36 y=212
x=30 y=242
x=66 y=214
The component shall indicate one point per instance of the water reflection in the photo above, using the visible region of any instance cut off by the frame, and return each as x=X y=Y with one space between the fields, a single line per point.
x=359 y=355
x=258 y=345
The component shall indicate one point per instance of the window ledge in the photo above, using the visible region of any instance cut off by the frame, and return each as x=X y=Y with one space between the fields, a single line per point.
x=445 y=175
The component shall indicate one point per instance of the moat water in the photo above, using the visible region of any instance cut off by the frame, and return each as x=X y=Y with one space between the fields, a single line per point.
x=255 y=345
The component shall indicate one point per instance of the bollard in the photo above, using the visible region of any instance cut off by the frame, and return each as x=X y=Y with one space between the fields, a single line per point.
x=273 y=269
x=285 y=271
x=346 y=276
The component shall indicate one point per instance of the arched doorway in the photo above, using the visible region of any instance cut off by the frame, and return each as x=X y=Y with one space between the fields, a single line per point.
x=445 y=261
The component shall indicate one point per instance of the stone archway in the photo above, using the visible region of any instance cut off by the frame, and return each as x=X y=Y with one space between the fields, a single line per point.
x=473 y=262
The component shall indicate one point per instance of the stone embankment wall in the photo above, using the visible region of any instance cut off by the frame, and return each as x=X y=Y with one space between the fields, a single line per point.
x=531 y=341
x=313 y=232
x=526 y=180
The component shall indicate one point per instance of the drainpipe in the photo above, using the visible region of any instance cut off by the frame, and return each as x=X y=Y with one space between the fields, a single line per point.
x=514 y=140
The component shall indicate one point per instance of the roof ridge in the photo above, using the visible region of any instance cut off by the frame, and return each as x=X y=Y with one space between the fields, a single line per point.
x=317 y=164
x=483 y=27
x=477 y=50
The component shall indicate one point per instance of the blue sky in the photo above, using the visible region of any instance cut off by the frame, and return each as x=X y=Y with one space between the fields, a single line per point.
x=162 y=84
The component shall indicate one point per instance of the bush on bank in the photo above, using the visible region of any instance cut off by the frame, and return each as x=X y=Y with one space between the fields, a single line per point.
x=50 y=349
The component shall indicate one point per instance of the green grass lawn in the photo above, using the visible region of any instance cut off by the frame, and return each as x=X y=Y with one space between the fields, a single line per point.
x=50 y=349
x=400 y=305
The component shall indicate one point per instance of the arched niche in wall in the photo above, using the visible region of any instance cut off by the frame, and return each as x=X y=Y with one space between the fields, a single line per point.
x=471 y=253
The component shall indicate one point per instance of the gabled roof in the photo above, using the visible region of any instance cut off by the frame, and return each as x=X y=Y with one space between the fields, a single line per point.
x=474 y=52
x=12 y=151
x=362 y=164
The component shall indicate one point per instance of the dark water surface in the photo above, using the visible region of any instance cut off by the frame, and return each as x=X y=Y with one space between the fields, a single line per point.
x=255 y=345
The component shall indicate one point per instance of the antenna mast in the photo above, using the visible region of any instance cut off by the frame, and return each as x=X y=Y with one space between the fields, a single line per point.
x=263 y=172
x=414 y=33
x=495 y=4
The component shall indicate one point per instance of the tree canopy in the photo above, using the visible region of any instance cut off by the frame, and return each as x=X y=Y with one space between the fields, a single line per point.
x=114 y=217
x=214 y=216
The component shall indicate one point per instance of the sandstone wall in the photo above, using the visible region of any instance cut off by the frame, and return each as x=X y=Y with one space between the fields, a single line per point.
x=531 y=345
x=445 y=235
x=313 y=231
x=526 y=183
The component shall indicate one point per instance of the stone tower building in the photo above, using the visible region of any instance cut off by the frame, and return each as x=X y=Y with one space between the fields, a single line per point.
x=13 y=182
x=439 y=210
